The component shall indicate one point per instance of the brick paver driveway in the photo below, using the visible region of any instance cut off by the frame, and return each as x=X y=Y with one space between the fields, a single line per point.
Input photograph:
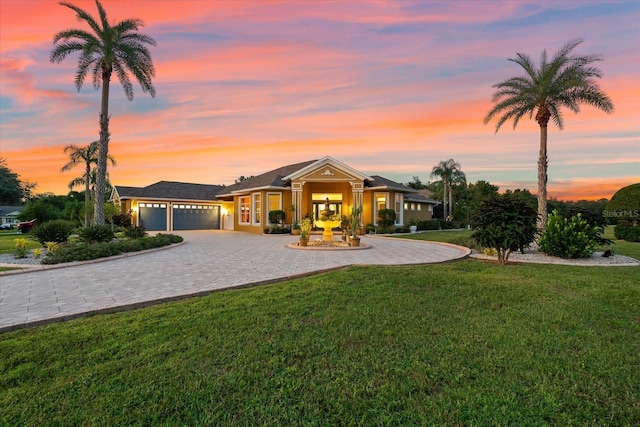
x=207 y=261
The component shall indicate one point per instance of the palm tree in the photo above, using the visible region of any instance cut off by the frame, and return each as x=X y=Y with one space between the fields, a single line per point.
x=85 y=156
x=565 y=81
x=107 y=48
x=449 y=172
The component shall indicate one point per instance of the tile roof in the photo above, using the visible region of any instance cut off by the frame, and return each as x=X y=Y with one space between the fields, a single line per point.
x=171 y=190
x=268 y=179
x=380 y=181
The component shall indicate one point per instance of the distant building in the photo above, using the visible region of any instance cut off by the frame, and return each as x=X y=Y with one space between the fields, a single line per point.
x=9 y=215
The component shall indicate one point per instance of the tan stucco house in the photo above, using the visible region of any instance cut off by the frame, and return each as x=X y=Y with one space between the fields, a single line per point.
x=297 y=189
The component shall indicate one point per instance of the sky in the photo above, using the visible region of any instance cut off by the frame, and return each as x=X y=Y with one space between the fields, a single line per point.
x=390 y=88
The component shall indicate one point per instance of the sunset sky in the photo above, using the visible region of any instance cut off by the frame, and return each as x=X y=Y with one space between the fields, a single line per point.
x=387 y=87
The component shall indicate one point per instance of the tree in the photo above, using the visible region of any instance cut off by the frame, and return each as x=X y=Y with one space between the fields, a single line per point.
x=417 y=184
x=506 y=223
x=566 y=81
x=449 y=173
x=85 y=156
x=108 y=48
x=13 y=191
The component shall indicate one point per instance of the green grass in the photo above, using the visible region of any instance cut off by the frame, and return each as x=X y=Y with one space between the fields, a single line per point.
x=464 y=343
x=7 y=243
x=463 y=237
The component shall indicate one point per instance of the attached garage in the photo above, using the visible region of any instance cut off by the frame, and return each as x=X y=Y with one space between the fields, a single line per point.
x=153 y=216
x=196 y=217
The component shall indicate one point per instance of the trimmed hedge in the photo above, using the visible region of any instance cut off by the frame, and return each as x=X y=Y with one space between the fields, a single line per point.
x=83 y=251
x=627 y=230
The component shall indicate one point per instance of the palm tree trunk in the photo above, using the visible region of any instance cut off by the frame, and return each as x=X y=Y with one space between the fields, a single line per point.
x=103 y=149
x=445 y=186
x=543 y=163
x=451 y=201
x=87 y=199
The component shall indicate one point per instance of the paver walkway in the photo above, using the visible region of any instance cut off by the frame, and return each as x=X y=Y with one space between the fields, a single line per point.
x=207 y=261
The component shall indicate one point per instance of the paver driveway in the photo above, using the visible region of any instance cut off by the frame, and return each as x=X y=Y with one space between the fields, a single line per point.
x=208 y=260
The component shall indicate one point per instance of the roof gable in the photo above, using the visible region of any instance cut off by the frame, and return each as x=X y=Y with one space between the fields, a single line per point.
x=327 y=169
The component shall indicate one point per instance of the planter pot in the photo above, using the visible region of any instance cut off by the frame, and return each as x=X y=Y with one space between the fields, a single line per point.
x=413 y=228
x=303 y=242
x=355 y=241
x=295 y=231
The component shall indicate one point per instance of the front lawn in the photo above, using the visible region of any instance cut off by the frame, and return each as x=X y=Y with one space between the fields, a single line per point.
x=7 y=241
x=463 y=237
x=463 y=343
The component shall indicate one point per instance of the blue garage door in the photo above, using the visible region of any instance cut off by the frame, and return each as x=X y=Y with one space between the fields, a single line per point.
x=153 y=216
x=196 y=217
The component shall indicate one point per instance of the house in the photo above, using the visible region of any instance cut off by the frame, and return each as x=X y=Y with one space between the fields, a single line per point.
x=9 y=215
x=298 y=189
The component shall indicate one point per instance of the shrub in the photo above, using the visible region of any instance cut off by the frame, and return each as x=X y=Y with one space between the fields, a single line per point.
x=627 y=230
x=386 y=218
x=277 y=216
x=401 y=229
x=625 y=204
x=173 y=238
x=20 y=248
x=122 y=220
x=569 y=237
x=53 y=231
x=429 y=225
x=96 y=233
x=135 y=232
x=506 y=223
x=83 y=251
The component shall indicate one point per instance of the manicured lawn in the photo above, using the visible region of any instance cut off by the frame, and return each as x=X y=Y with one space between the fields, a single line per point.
x=464 y=343
x=7 y=243
x=460 y=237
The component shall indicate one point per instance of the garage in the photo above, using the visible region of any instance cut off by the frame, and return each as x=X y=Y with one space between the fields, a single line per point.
x=196 y=217
x=153 y=216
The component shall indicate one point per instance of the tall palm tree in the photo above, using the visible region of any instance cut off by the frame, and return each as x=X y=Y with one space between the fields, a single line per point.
x=107 y=48
x=448 y=171
x=565 y=81
x=85 y=156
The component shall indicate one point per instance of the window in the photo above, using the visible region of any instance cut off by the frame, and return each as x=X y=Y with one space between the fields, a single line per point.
x=420 y=207
x=398 y=208
x=406 y=206
x=257 y=209
x=275 y=201
x=245 y=209
x=380 y=203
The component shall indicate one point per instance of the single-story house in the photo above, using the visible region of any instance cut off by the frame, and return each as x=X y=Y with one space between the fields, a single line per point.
x=9 y=215
x=298 y=189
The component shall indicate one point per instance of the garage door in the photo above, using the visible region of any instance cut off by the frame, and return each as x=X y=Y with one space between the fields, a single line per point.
x=153 y=216
x=196 y=217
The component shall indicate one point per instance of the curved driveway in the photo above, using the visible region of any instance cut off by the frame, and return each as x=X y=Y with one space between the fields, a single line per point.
x=207 y=261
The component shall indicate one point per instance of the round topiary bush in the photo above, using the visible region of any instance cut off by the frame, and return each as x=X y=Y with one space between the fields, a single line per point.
x=624 y=210
x=625 y=204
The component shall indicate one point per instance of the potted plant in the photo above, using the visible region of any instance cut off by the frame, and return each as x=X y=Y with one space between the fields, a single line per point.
x=305 y=230
x=413 y=225
x=296 y=228
x=354 y=222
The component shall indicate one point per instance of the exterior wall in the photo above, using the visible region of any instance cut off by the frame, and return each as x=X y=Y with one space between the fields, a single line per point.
x=424 y=214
